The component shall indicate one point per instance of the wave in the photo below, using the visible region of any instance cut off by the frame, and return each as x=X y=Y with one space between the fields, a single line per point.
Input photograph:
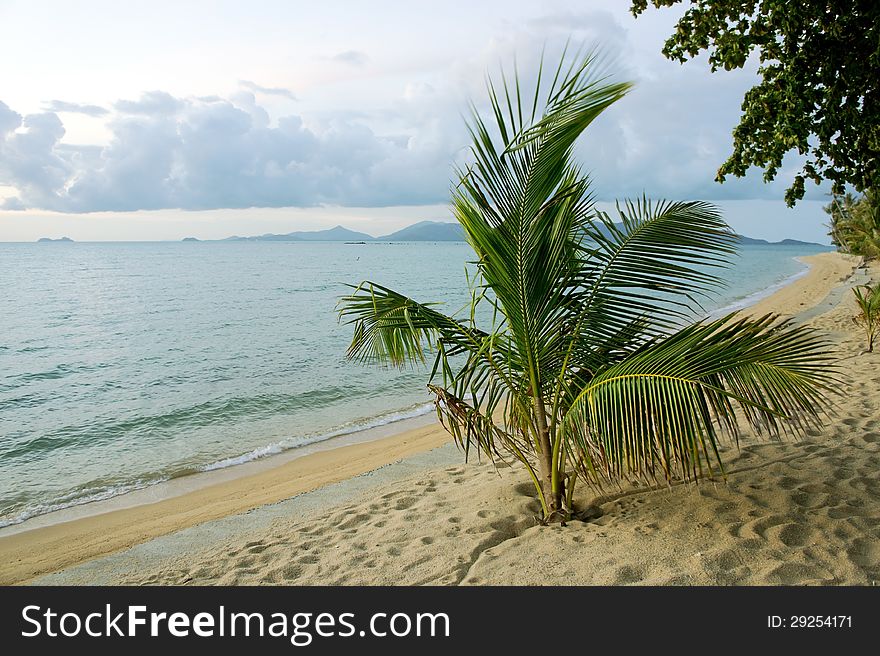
x=346 y=429
x=55 y=373
x=751 y=299
x=78 y=498
x=209 y=413
x=92 y=494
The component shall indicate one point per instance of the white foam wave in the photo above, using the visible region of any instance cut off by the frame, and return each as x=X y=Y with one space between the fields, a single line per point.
x=82 y=497
x=78 y=498
x=751 y=299
x=345 y=429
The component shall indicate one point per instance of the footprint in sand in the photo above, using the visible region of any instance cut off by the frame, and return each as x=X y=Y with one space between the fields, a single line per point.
x=791 y=535
x=759 y=527
x=628 y=574
x=404 y=503
x=797 y=574
x=291 y=572
x=871 y=438
x=865 y=554
x=787 y=483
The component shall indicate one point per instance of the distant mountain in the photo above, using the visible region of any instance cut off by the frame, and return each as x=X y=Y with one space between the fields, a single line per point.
x=422 y=231
x=750 y=241
x=746 y=241
x=437 y=231
x=333 y=234
x=427 y=231
x=49 y=239
x=190 y=239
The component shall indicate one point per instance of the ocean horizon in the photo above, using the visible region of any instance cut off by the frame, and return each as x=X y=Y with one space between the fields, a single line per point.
x=125 y=364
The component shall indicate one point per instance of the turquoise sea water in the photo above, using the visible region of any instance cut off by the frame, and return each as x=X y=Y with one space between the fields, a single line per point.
x=124 y=364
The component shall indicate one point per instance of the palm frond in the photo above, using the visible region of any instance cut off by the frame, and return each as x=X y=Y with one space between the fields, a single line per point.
x=392 y=328
x=523 y=204
x=655 y=263
x=664 y=408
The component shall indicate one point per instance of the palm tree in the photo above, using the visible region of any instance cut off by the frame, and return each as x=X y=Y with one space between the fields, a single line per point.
x=855 y=224
x=868 y=302
x=581 y=362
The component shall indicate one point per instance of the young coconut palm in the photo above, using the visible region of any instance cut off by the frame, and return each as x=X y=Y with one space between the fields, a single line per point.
x=585 y=370
x=868 y=302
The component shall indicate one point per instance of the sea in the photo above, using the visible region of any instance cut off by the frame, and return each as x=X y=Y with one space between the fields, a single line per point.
x=126 y=364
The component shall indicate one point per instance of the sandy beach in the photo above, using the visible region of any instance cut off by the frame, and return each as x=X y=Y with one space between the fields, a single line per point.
x=405 y=509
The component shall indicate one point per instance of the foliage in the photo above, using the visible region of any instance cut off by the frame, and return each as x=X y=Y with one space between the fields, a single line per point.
x=868 y=301
x=588 y=367
x=855 y=224
x=819 y=93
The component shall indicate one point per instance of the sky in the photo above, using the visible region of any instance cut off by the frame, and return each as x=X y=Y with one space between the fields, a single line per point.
x=161 y=120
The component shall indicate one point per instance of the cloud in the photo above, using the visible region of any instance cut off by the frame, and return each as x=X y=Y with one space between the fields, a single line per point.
x=75 y=108
x=151 y=103
x=597 y=28
x=9 y=120
x=30 y=160
x=189 y=153
x=666 y=139
x=351 y=57
x=13 y=204
x=267 y=91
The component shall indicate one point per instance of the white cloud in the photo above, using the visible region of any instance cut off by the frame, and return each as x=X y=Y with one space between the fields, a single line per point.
x=29 y=157
x=168 y=152
x=267 y=91
x=351 y=57
x=62 y=106
x=151 y=103
x=667 y=138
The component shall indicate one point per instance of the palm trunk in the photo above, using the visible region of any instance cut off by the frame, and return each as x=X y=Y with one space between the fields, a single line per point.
x=552 y=485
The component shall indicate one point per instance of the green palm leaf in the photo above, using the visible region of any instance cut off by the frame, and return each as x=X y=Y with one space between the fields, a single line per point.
x=589 y=367
x=666 y=405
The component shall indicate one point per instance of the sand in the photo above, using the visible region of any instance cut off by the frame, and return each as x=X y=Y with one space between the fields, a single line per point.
x=30 y=553
x=805 y=512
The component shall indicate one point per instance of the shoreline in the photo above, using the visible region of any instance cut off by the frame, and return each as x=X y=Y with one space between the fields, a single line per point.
x=211 y=475
x=28 y=553
x=32 y=548
x=247 y=464
x=757 y=297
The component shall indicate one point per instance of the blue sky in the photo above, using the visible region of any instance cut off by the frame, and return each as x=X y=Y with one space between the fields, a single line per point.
x=158 y=120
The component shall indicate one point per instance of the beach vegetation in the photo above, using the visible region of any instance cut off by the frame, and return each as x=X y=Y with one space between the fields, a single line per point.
x=855 y=224
x=868 y=317
x=582 y=353
x=818 y=97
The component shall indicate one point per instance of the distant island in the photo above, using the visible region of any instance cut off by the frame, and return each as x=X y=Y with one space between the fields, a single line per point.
x=429 y=231
x=749 y=241
x=435 y=231
x=422 y=231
